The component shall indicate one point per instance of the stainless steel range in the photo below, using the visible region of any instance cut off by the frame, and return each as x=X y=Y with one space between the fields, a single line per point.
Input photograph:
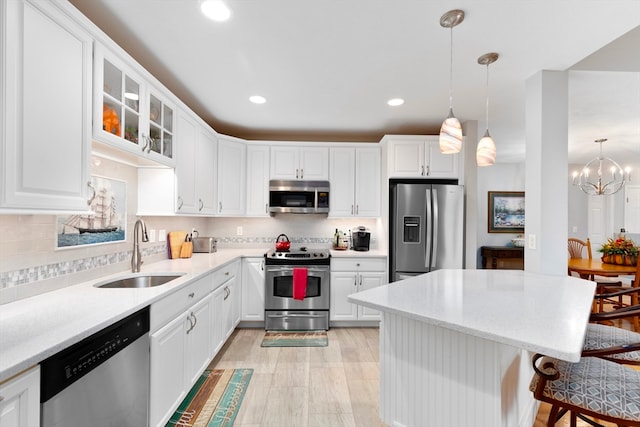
x=282 y=311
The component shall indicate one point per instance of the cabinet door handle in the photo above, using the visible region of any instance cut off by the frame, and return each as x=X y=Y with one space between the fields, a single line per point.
x=220 y=206
x=428 y=171
x=422 y=170
x=351 y=209
x=355 y=282
x=357 y=209
x=195 y=319
x=201 y=204
x=93 y=196
x=266 y=208
x=262 y=265
x=226 y=293
x=297 y=173
x=190 y=324
x=301 y=173
x=147 y=145
x=180 y=202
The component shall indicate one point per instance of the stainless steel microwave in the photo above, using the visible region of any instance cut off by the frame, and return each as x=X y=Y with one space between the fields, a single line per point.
x=298 y=196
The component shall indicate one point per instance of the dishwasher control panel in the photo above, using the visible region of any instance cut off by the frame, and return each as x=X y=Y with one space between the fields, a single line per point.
x=67 y=366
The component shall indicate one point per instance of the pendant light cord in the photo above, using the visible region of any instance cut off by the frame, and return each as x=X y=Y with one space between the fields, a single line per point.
x=487 y=109
x=451 y=69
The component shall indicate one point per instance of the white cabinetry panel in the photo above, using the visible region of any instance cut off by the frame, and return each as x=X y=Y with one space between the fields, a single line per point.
x=20 y=403
x=46 y=109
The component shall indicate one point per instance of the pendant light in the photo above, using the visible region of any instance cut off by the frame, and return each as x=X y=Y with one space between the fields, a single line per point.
x=602 y=176
x=486 y=151
x=451 y=130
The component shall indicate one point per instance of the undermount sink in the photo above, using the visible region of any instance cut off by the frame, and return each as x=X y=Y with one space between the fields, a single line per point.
x=140 y=281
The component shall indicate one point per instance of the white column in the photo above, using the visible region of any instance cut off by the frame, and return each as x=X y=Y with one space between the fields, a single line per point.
x=470 y=130
x=546 y=163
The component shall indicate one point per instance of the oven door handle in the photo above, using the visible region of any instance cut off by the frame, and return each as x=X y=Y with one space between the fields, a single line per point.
x=279 y=316
x=271 y=269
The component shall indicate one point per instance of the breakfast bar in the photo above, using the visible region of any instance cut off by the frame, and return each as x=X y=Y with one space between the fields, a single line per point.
x=455 y=345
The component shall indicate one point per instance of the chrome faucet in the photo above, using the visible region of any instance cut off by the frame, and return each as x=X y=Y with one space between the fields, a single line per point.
x=136 y=257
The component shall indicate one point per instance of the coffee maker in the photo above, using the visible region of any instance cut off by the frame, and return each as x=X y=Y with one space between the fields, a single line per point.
x=360 y=239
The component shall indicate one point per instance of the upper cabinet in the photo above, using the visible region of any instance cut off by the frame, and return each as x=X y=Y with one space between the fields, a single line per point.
x=257 y=180
x=355 y=181
x=232 y=153
x=46 y=110
x=299 y=163
x=419 y=156
x=195 y=166
x=130 y=113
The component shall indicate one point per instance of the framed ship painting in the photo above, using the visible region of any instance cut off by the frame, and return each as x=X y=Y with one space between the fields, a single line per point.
x=107 y=223
x=506 y=211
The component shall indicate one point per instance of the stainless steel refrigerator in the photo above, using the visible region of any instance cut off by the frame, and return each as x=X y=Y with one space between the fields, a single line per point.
x=426 y=228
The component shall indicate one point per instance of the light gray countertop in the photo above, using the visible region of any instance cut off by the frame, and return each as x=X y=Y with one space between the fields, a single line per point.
x=35 y=328
x=542 y=314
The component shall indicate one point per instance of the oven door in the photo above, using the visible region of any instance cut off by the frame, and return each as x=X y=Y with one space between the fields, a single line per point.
x=279 y=289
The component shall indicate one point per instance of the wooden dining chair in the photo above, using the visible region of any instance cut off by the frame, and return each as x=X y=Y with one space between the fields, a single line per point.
x=581 y=248
x=632 y=291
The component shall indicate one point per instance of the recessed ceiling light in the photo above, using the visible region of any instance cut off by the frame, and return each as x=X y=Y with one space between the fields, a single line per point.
x=257 y=99
x=395 y=102
x=215 y=9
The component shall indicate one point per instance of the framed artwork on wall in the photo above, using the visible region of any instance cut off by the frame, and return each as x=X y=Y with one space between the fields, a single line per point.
x=506 y=212
x=107 y=223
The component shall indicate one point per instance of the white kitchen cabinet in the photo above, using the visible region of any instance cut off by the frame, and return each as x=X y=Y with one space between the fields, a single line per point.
x=195 y=166
x=129 y=113
x=299 y=163
x=354 y=174
x=20 y=400
x=257 y=180
x=199 y=352
x=253 y=289
x=418 y=156
x=188 y=189
x=231 y=181
x=46 y=73
x=351 y=275
x=168 y=349
x=226 y=301
x=181 y=348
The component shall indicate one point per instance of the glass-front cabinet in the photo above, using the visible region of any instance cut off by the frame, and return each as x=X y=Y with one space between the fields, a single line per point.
x=129 y=112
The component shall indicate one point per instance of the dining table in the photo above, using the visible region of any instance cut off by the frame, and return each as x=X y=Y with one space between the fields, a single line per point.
x=587 y=268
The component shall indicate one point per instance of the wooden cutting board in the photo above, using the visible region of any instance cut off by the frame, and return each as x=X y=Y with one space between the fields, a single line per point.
x=176 y=239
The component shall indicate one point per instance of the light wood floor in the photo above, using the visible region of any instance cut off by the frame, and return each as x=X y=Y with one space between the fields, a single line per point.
x=334 y=386
x=330 y=386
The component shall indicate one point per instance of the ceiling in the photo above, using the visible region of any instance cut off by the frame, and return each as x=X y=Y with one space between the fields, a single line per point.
x=328 y=68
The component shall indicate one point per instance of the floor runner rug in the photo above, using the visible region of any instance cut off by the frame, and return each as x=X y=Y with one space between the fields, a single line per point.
x=214 y=400
x=295 y=339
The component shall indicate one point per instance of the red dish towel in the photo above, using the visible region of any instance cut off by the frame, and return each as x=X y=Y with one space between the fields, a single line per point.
x=299 y=283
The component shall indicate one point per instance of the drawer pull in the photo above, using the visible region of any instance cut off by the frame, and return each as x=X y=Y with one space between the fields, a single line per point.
x=192 y=294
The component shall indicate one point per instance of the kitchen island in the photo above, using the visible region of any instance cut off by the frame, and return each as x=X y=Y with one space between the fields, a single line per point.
x=455 y=345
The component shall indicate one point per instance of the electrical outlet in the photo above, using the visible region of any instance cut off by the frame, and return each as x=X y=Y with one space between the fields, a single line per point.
x=239 y=230
x=162 y=235
x=152 y=235
x=532 y=241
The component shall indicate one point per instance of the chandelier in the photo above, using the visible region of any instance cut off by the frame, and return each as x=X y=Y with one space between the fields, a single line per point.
x=602 y=176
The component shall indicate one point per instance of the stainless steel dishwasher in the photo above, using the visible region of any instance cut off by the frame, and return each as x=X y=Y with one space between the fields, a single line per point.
x=101 y=381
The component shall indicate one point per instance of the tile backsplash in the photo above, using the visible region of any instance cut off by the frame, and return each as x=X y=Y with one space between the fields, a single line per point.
x=31 y=264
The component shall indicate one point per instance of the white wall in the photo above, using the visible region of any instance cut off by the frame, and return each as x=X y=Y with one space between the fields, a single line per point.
x=499 y=177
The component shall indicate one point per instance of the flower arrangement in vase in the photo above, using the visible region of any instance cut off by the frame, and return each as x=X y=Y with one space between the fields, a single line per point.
x=620 y=251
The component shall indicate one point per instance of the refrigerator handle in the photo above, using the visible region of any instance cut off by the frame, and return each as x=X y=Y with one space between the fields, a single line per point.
x=428 y=231
x=434 y=227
